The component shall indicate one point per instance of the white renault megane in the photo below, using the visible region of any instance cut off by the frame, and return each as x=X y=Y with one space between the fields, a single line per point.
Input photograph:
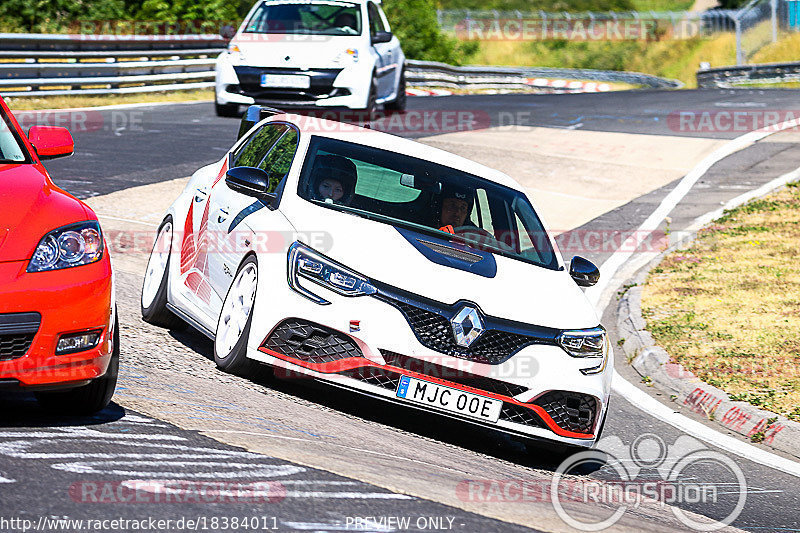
x=388 y=267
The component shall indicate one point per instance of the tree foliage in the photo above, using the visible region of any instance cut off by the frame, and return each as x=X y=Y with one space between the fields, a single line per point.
x=415 y=24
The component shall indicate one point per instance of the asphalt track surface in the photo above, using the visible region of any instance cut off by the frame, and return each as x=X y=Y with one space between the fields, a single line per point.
x=173 y=141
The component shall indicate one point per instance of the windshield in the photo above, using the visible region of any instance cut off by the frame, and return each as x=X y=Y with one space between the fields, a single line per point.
x=317 y=18
x=10 y=149
x=427 y=197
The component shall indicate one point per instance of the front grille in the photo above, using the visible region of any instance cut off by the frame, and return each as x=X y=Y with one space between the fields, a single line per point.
x=310 y=342
x=15 y=345
x=17 y=331
x=570 y=410
x=321 y=83
x=435 y=332
x=375 y=376
x=452 y=375
x=520 y=415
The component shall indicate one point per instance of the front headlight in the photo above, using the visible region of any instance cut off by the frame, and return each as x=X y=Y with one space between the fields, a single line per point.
x=584 y=342
x=68 y=246
x=306 y=263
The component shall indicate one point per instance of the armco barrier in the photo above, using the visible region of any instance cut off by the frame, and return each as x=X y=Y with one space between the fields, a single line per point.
x=45 y=64
x=729 y=77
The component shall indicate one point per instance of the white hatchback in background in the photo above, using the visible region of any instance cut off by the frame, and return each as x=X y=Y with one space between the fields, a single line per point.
x=388 y=267
x=312 y=53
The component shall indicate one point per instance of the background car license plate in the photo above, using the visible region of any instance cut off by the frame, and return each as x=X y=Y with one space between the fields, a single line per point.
x=449 y=399
x=285 y=80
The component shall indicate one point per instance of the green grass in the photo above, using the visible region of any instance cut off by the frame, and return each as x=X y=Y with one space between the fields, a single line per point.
x=674 y=59
x=662 y=5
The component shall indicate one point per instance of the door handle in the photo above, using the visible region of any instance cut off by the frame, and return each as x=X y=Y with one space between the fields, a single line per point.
x=200 y=195
x=222 y=211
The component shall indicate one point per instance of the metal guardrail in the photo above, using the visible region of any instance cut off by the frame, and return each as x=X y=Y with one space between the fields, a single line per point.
x=429 y=73
x=48 y=65
x=730 y=77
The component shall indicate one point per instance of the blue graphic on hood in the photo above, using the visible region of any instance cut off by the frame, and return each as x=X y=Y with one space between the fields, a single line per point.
x=485 y=266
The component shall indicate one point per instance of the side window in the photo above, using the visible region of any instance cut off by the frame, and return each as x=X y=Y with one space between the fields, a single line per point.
x=375 y=21
x=252 y=152
x=279 y=160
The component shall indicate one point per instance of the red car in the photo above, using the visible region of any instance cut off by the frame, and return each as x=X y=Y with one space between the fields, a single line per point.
x=58 y=325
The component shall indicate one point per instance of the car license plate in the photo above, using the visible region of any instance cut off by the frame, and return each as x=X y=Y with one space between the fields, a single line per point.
x=285 y=80
x=449 y=399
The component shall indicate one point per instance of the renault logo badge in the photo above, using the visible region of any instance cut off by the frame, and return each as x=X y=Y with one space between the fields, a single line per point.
x=467 y=326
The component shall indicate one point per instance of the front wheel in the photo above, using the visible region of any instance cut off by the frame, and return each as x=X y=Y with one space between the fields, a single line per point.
x=399 y=103
x=226 y=110
x=156 y=278
x=233 y=327
x=89 y=398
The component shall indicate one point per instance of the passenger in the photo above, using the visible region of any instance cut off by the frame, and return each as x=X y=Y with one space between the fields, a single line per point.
x=455 y=208
x=334 y=179
x=346 y=20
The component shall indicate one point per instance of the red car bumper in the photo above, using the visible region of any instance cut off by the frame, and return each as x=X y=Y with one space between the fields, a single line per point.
x=68 y=301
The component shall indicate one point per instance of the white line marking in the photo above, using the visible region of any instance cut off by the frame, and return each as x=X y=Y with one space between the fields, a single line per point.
x=348 y=495
x=655 y=408
x=600 y=294
x=4 y=479
x=162 y=469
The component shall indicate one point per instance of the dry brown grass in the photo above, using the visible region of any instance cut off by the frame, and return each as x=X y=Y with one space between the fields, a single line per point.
x=20 y=103
x=728 y=307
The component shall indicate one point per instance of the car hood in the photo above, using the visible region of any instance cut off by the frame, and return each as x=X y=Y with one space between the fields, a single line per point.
x=518 y=291
x=31 y=206
x=301 y=54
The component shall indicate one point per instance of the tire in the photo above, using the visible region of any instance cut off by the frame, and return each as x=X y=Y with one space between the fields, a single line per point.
x=226 y=110
x=398 y=105
x=156 y=278
x=371 y=111
x=233 y=326
x=89 y=398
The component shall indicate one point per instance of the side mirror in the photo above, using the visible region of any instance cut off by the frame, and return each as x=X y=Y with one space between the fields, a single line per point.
x=51 y=142
x=583 y=271
x=381 y=37
x=253 y=115
x=250 y=181
x=227 y=32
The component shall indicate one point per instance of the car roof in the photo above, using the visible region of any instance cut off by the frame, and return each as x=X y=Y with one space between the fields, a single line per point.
x=394 y=143
x=312 y=1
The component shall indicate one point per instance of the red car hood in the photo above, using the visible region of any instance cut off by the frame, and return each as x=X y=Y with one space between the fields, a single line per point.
x=30 y=206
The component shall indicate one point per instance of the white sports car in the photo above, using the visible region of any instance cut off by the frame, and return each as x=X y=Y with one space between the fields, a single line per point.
x=312 y=53
x=388 y=267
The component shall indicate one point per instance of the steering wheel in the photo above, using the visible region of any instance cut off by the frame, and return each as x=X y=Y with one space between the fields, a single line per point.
x=467 y=230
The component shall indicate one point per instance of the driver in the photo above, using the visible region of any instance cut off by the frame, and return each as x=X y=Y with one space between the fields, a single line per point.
x=334 y=179
x=456 y=205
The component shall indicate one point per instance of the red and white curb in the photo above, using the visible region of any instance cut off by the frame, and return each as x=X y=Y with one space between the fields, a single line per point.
x=560 y=86
x=428 y=92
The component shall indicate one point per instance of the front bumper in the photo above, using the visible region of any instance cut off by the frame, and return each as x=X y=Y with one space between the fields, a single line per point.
x=329 y=87
x=67 y=301
x=541 y=387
